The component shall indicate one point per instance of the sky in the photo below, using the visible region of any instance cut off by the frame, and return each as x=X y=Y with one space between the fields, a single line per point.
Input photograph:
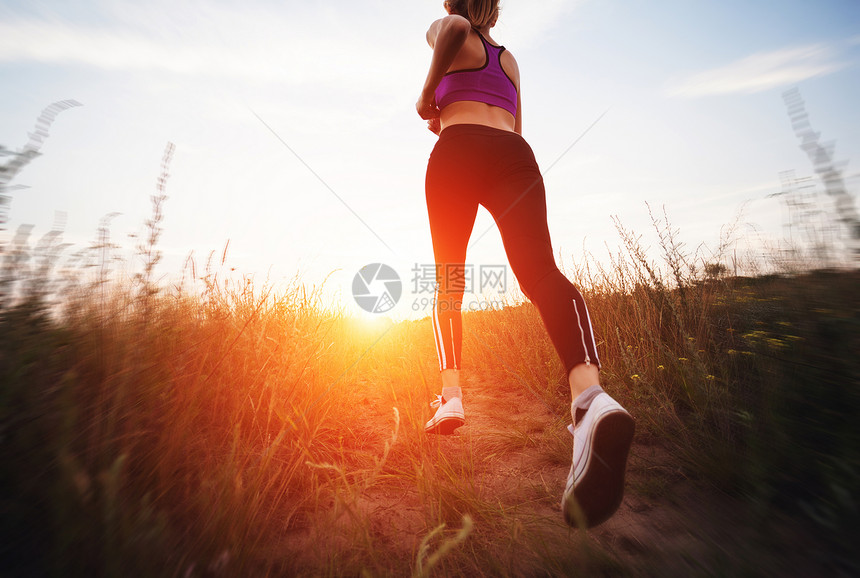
x=296 y=137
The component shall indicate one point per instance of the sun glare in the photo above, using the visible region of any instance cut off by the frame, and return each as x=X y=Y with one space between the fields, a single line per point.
x=372 y=323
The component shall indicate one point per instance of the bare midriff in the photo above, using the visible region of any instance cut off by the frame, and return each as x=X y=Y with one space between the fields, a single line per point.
x=473 y=112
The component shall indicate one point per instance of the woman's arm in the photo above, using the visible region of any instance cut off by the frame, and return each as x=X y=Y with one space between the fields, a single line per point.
x=446 y=36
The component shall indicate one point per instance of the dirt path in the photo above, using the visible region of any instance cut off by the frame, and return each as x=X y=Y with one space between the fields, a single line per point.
x=666 y=525
x=507 y=468
x=650 y=531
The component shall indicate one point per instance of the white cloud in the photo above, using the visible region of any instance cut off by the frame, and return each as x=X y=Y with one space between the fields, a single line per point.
x=296 y=43
x=285 y=45
x=52 y=42
x=195 y=53
x=761 y=71
x=328 y=69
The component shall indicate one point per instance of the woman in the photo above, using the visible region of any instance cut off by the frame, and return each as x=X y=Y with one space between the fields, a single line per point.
x=471 y=99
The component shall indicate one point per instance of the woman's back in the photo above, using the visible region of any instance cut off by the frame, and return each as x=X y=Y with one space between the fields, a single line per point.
x=479 y=75
x=472 y=55
x=469 y=51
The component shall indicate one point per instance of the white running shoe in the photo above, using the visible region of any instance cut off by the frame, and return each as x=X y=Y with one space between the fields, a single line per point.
x=448 y=417
x=601 y=442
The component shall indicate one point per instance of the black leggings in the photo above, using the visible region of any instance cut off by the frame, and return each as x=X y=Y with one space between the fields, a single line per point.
x=472 y=165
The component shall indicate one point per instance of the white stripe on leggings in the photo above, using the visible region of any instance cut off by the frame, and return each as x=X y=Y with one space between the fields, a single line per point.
x=437 y=330
x=591 y=332
x=453 y=351
x=582 y=331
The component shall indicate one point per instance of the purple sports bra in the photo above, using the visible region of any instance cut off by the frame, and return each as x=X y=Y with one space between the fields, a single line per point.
x=488 y=84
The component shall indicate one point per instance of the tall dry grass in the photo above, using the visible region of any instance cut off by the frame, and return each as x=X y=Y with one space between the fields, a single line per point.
x=220 y=428
x=236 y=431
x=751 y=382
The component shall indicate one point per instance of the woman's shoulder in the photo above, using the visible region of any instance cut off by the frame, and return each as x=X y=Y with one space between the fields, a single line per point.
x=452 y=22
x=509 y=64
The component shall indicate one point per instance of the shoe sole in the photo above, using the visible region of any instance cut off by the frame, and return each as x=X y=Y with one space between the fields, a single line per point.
x=446 y=425
x=597 y=495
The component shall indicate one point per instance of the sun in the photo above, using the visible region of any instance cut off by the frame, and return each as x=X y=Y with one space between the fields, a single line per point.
x=371 y=323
